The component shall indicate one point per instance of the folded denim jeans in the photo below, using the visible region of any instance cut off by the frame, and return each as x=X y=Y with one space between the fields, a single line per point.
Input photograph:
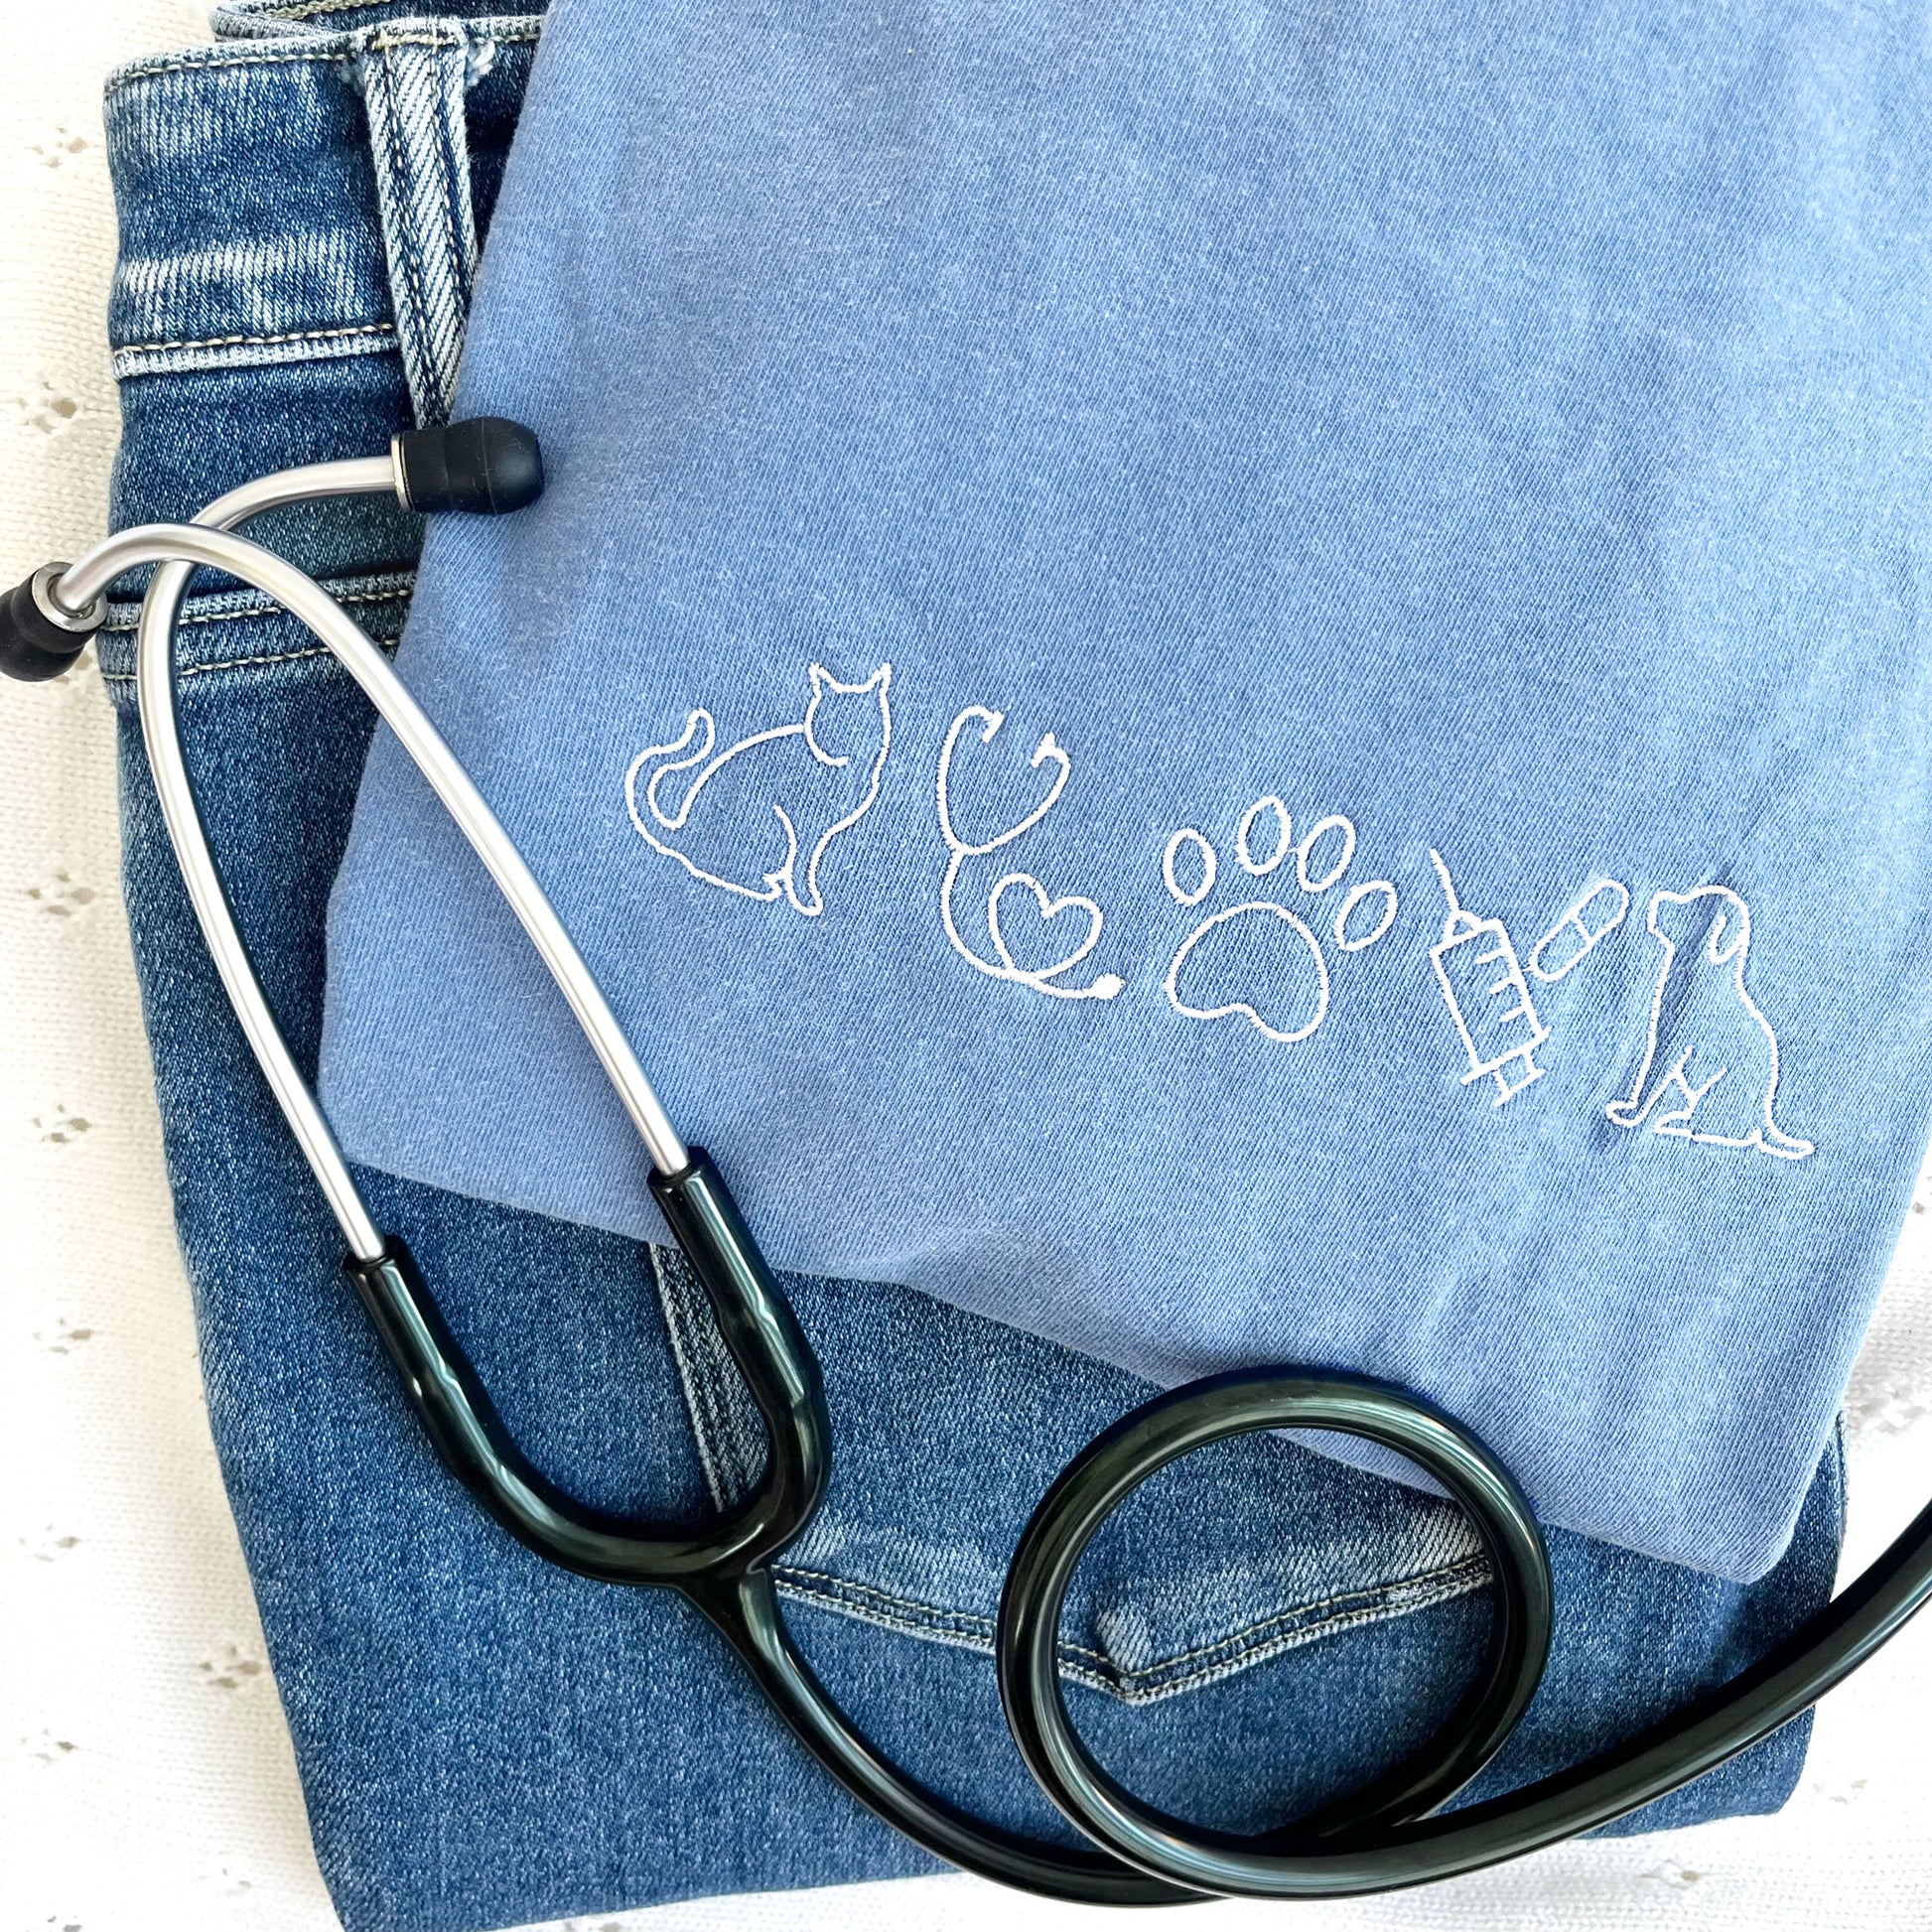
x=483 y=1739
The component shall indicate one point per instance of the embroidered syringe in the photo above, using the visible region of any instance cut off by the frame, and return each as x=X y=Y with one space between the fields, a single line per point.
x=1488 y=996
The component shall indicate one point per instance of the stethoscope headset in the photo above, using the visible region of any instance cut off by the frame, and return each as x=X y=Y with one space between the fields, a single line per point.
x=1384 y=1837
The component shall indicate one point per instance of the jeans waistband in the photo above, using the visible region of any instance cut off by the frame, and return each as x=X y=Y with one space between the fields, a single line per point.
x=236 y=166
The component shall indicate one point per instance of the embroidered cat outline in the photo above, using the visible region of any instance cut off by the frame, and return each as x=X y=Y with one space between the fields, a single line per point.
x=794 y=769
x=1715 y=1014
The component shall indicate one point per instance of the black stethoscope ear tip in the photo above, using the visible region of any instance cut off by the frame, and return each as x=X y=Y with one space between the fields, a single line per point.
x=486 y=465
x=39 y=639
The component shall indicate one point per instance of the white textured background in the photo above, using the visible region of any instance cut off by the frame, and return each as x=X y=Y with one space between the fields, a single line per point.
x=146 y=1781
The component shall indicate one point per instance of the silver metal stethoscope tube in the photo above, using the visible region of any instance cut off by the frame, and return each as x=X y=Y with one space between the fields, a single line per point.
x=179 y=548
x=155 y=690
x=723 y=1566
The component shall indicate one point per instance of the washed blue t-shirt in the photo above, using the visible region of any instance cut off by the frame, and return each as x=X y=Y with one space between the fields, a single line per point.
x=1241 y=682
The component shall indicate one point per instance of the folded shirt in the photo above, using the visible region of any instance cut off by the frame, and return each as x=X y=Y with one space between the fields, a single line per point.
x=1232 y=684
x=482 y=1740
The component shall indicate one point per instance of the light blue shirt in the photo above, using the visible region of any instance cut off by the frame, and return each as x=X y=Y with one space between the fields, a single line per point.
x=1237 y=683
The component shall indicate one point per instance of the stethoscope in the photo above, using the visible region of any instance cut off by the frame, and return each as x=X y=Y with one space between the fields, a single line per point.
x=1377 y=1839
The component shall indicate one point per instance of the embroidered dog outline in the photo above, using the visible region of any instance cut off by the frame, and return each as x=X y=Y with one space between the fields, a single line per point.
x=782 y=879
x=1727 y=943
x=1004 y=967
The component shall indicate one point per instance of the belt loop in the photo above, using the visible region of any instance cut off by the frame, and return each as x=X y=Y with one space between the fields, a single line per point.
x=413 y=75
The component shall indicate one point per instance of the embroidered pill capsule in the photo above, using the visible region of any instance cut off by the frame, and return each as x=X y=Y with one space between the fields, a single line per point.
x=1587 y=924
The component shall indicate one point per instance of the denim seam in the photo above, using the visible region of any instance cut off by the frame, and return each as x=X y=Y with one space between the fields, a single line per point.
x=1240 y=1650
x=715 y=1426
x=411 y=275
x=130 y=364
x=247 y=663
x=1343 y=1601
x=707 y=1395
x=298 y=10
x=257 y=341
x=1839 y=1487
x=331 y=52
x=214 y=57
x=385 y=40
x=731 y=1442
x=1136 y=1687
x=132 y=621
x=463 y=260
x=422 y=179
x=697 y=1396
x=737 y=1436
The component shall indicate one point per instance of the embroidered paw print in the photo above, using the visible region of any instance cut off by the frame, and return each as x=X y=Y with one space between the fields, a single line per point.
x=1260 y=960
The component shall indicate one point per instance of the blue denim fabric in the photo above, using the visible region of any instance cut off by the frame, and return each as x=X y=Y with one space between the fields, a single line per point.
x=1451 y=474
x=486 y=1740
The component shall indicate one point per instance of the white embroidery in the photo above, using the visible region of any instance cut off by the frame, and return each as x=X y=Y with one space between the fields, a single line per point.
x=1308 y=845
x=1590 y=930
x=1512 y=1034
x=1264 y=908
x=1050 y=910
x=1355 y=897
x=1284 y=839
x=1319 y=986
x=781 y=879
x=793 y=771
x=1002 y=966
x=1748 y=1045
x=1208 y=866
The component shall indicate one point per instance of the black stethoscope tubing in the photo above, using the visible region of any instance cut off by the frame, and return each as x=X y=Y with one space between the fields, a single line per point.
x=1377 y=1839
x=1346 y=1856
